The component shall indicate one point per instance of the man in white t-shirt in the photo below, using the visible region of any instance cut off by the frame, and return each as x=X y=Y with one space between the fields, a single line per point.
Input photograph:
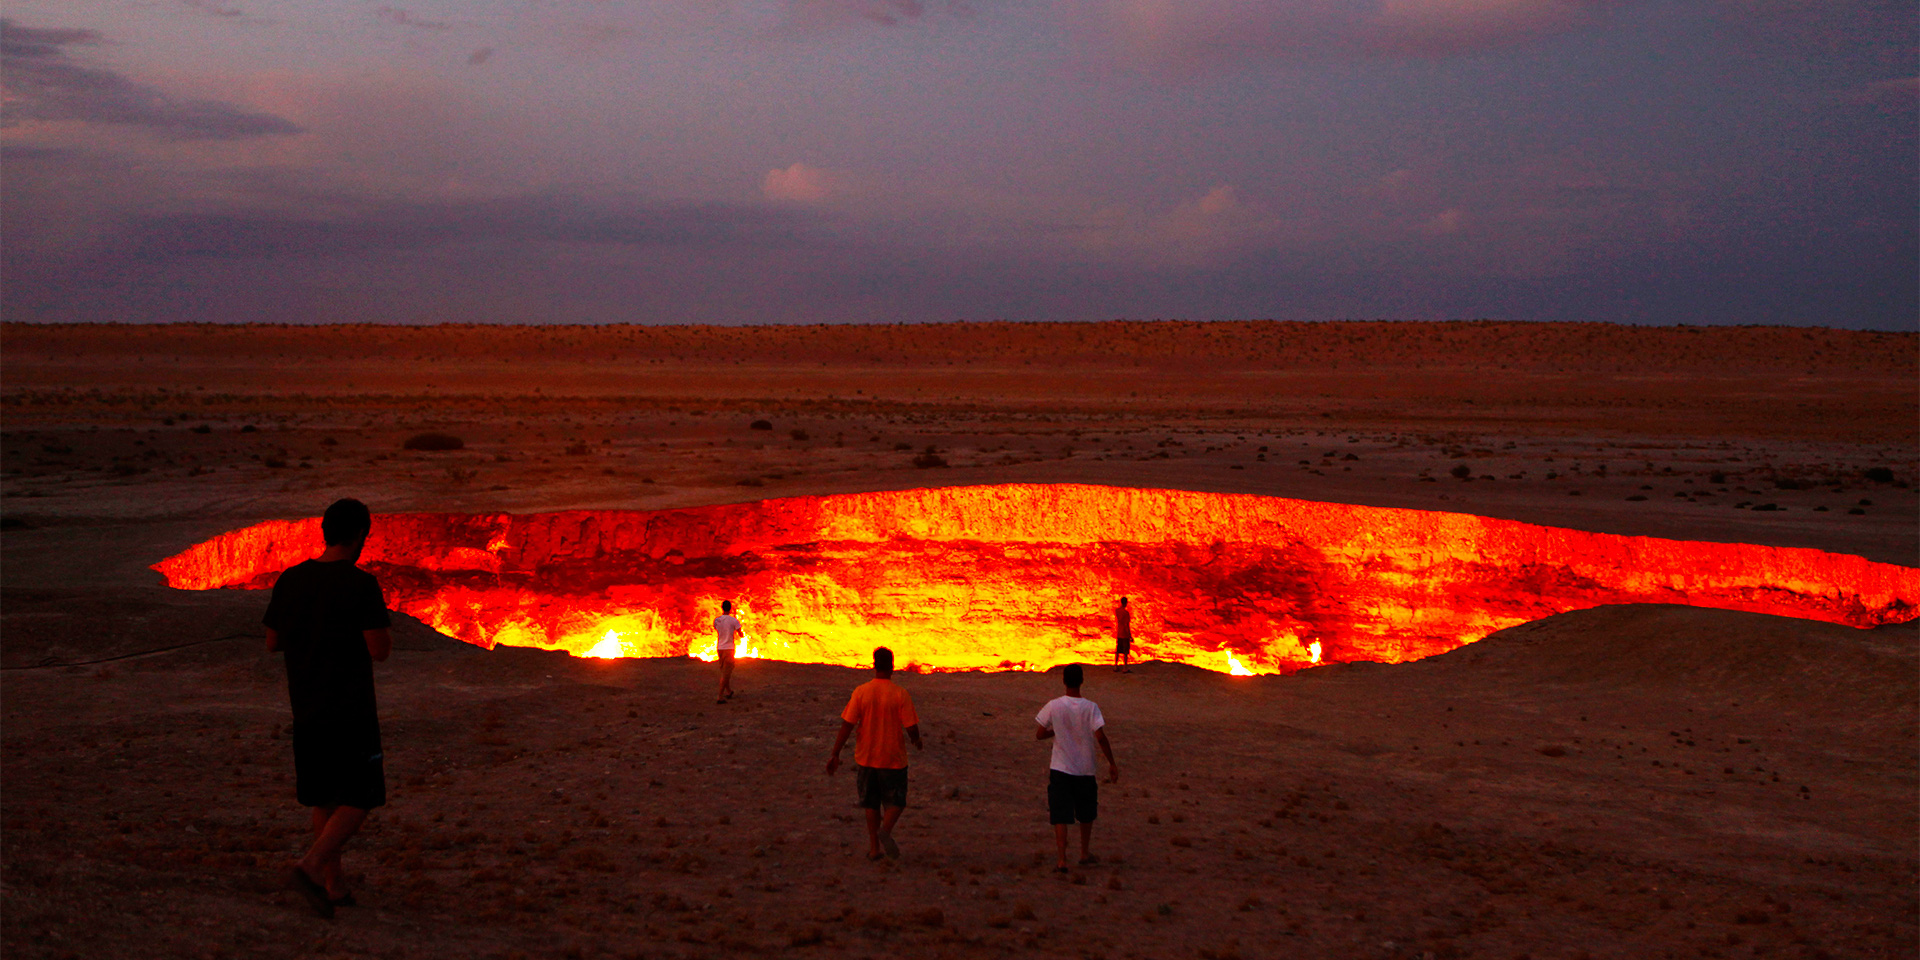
x=1074 y=724
x=726 y=629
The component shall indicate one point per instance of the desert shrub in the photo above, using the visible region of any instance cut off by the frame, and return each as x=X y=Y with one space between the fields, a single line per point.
x=760 y=425
x=903 y=446
x=929 y=458
x=1880 y=474
x=433 y=441
x=1717 y=478
x=202 y=428
x=799 y=435
x=578 y=449
x=1461 y=471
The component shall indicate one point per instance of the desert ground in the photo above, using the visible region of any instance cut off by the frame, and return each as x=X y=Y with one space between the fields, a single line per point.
x=1629 y=781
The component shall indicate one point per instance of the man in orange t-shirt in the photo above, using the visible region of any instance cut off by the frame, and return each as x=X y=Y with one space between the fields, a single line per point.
x=882 y=712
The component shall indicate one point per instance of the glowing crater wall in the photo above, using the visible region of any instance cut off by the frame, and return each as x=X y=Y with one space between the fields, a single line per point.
x=1028 y=575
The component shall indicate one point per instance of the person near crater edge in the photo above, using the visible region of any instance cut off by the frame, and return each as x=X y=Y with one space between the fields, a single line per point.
x=1123 y=637
x=883 y=714
x=329 y=621
x=1075 y=725
x=726 y=630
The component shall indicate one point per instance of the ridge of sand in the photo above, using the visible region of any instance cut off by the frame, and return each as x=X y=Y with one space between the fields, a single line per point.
x=1802 y=665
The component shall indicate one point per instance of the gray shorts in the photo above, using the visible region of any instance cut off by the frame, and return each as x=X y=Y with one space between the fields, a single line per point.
x=880 y=786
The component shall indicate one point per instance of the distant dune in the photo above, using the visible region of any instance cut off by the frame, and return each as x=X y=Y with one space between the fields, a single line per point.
x=1237 y=345
x=1854 y=386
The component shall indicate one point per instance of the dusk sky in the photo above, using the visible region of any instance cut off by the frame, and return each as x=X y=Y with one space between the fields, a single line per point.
x=1690 y=161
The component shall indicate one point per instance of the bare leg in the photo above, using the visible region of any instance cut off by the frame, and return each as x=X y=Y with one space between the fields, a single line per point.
x=1086 y=841
x=322 y=861
x=888 y=817
x=329 y=874
x=873 y=834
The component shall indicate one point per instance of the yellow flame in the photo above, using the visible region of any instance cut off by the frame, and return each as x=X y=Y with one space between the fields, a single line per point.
x=1313 y=651
x=608 y=648
x=709 y=649
x=1235 y=667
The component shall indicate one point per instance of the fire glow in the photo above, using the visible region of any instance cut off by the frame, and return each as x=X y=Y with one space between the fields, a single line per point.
x=1026 y=576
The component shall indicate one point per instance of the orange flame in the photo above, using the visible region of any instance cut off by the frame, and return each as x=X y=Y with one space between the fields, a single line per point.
x=1023 y=576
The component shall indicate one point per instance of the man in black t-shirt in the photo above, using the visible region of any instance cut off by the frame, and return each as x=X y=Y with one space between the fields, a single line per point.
x=330 y=621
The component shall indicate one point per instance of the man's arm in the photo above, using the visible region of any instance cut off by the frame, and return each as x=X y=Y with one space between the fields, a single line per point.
x=846 y=730
x=1041 y=733
x=273 y=640
x=913 y=733
x=1113 y=769
x=379 y=643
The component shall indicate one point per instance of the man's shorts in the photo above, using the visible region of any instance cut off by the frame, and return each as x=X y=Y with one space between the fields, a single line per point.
x=725 y=656
x=1123 y=645
x=1072 y=799
x=880 y=786
x=337 y=766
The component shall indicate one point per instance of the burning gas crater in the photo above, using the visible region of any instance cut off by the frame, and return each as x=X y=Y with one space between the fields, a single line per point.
x=1027 y=576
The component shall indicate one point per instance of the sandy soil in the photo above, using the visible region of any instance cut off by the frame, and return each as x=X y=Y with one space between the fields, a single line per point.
x=1624 y=782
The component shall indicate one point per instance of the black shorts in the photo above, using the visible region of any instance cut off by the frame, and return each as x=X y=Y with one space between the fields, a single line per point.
x=1123 y=645
x=339 y=766
x=880 y=786
x=1072 y=799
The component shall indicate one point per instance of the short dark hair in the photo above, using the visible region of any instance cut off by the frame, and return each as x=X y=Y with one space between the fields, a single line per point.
x=883 y=659
x=726 y=606
x=1073 y=676
x=345 y=521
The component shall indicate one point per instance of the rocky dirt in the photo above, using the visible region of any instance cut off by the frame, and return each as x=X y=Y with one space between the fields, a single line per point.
x=1620 y=782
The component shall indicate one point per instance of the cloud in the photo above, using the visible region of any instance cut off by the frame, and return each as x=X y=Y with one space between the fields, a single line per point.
x=480 y=56
x=35 y=43
x=212 y=8
x=1193 y=34
x=44 y=85
x=254 y=234
x=1449 y=26
x=99 y=235
x=799 y=183
x=1898 y=94
x=828 y=13
x=1445 y=222
x=399 y=17
x=1214 y=228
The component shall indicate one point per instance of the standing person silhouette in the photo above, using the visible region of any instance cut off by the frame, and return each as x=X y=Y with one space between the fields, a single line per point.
x=329 y=621
x=883 y=714
x=726 y=629
x=1123 y=638
x=1075 y=725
